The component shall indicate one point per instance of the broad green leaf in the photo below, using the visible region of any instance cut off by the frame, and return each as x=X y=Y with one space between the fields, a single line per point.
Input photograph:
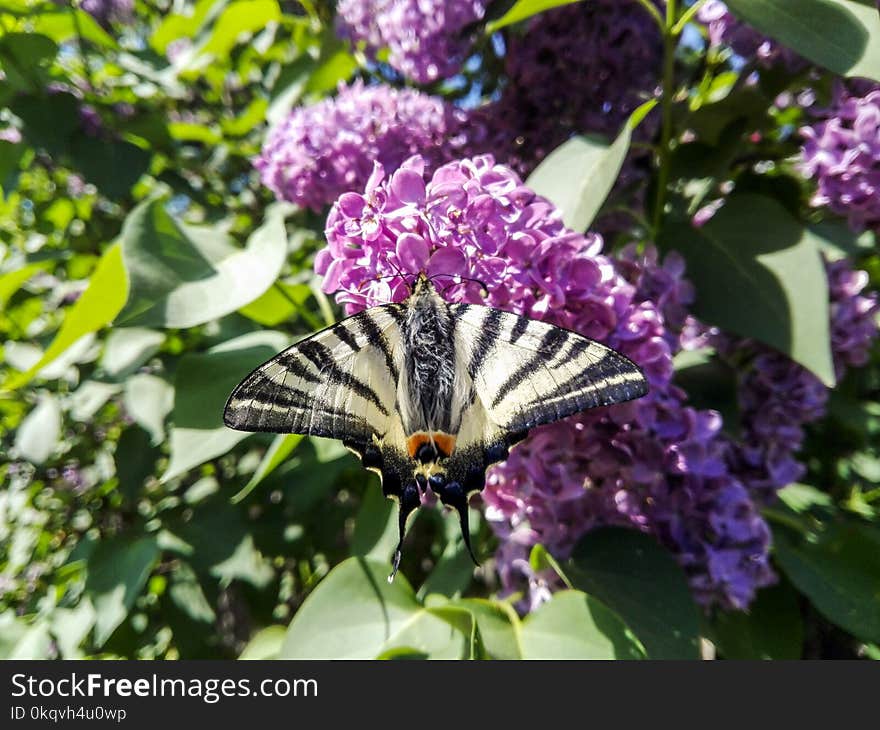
x=634 y=576
x=499 y=627
x=759 y=273
x=276 y=305
x=34 y=643
x=838 y=570
x=839 y=241
x=254 y=114
x=113 y=166
x=282 y=447
x=148 y=400
x=523 y=9
x=453 y=572
x=175 y=26
x=127 y=348
x=237 y=23
x=24 y=57
x=355 y=613
x=182 y=276
x=117 y=572
x=199 y=434
x=186 y=593
x=265 y=644
x=803 y=497
x=771 y=628
x=70 y=626
x=96 y=308
x=12 y=281
x=375 y=527
x=12 y=629
x=573 y=625
x=192 y=132
x=37 y=436
x=246 y=563
x=11 y=155
x=61 y=26
x=841 y=35
x=578 y=175
x=88 y=398
x=335 y=68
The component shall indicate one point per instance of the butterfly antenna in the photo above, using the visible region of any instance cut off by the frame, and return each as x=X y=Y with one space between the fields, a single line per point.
x=409 y=501
x=463 y=278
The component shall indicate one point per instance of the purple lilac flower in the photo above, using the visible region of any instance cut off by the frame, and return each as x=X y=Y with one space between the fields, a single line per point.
x=426 y=39
x=841 y=152
x=655 y=463
x=109 y=11
x=578 y=69
x=10 y=134
x=321 y=151
x=725 y=30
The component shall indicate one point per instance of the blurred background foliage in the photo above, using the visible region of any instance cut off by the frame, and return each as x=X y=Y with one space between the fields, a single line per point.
x=144 y=269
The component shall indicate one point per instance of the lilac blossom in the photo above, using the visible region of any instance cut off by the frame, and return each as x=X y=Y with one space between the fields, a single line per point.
x=655 y=464
x=109 y=11
x=426 y=39
x=321 y=151
x=583 y=68
x=725 y=29
x=841 y=153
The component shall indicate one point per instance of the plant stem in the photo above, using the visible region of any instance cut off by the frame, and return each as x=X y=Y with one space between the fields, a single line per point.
x=669 y=44
x=687 y=16
x=654 y=13
x=781 y=518
x=81 y=47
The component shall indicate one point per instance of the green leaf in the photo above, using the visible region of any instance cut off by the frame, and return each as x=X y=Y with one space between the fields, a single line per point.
x=633 y=575
x=335 y=68
x=199 y=433
x=61 y=26
x=237 y=23
x=12 y=281
x=523 y=9
x=578 y=175
x=573 y=625
x=772 y=628
x=759 y=273
x=841 y=35
x=182 y=276
x=96 y=308
x=114 y=166
x=265 y=644
x=148 y=400
x=838 y=570
x=282 y=447
x=37 y=436
x=127 y=348
x=498 y=625
x=24 y=57
x=803 y=497
x=70 y=626
x=375 y=527
x=117 y=572
x=839 y=241
x=355 y=613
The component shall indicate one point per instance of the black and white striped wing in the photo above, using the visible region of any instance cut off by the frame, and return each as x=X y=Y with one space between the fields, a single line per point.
x=527 y=373
x=339 y=383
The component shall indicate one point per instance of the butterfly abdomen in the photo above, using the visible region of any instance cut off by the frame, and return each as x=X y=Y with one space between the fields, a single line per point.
x=428 y=383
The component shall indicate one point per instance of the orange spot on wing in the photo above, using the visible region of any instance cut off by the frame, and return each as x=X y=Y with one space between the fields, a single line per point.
x=443 y=441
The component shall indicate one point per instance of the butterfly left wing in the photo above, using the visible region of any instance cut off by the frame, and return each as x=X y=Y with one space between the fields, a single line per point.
x=339 y=383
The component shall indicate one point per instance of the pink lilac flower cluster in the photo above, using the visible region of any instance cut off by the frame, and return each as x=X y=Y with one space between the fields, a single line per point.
x=841 y=152
x=656 y=463
x=321 y=151
x=578 y=69
x=725 y=30
x=426 y=39
x=109 y=11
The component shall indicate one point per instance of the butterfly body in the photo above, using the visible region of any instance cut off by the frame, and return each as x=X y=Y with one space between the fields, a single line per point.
x=429 y=394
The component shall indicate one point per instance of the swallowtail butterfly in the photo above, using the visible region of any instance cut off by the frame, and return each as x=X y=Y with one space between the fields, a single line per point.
x=429 y=394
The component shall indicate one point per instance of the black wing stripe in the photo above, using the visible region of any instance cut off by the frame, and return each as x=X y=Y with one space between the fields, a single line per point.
x=345 y=335
x=322 y=357
x=294 y=365
x=485 y=341
x=377 y=339
x=552 y=342
x=519 y=329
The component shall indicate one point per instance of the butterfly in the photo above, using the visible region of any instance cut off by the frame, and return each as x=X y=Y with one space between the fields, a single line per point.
x=429 y=393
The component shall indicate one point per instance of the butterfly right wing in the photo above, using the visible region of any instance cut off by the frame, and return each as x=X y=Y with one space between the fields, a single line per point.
x=526 y=373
